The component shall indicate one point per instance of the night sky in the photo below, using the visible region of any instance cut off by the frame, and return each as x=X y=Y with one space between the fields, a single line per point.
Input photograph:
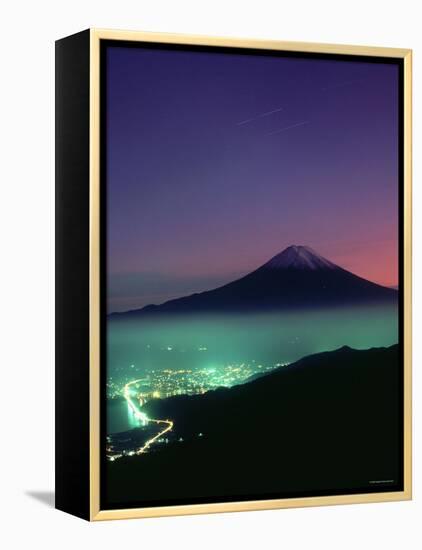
x=215 y=163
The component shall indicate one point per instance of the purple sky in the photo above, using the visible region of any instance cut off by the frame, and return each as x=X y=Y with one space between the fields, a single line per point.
x=217 y=162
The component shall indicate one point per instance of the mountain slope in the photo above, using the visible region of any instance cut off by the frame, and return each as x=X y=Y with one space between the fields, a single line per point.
x=297 y=277
x=329 y=422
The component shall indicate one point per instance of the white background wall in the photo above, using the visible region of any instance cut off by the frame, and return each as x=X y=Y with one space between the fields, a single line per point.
x=28 y=31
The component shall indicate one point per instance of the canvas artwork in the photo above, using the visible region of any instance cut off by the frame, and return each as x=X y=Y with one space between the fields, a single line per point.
x=252 y=264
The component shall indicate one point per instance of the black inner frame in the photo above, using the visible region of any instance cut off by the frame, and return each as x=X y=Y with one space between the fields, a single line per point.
x=104 y=45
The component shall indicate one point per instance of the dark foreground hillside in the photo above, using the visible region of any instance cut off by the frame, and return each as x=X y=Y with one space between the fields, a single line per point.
x=330 y=423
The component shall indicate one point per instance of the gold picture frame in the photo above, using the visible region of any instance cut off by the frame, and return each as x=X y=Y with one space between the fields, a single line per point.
x=95 y=513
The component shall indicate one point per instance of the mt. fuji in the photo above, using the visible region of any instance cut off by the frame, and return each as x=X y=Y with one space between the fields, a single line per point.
x=296 y=278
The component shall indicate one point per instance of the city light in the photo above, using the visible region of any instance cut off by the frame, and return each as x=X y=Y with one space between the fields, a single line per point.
x=168 y=382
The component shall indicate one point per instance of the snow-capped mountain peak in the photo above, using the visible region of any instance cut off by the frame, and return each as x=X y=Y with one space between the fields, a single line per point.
x=299 y=257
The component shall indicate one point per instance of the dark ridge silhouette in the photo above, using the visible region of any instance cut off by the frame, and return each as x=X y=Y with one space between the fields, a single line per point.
x=329 y=423
x=296 y=278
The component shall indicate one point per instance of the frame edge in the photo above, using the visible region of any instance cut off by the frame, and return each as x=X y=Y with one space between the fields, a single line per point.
x=96 y=514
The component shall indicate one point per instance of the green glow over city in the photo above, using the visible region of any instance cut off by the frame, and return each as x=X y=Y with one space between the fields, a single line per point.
x=167 y=357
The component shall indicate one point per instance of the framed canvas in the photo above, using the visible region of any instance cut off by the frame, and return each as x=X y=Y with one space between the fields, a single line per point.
x=233 y=274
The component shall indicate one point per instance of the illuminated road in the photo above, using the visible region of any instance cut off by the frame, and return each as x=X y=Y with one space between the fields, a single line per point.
x=136 y=412
x=168 y=424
